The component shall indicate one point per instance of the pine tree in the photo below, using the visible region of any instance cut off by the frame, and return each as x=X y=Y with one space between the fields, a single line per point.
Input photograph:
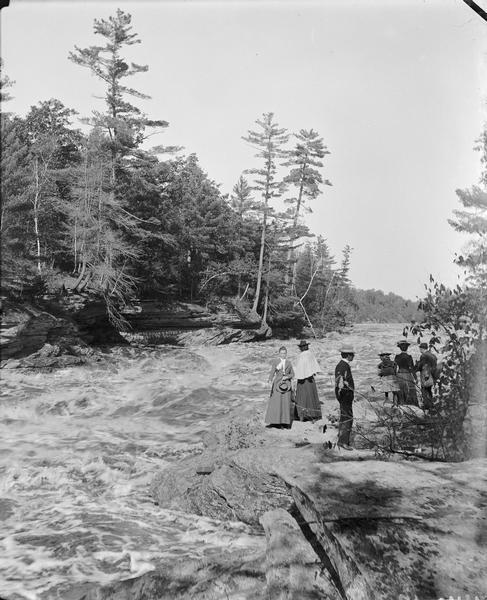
x=473 y=221
x=269 y=142
x=305 y=160
x=241 y=200
x=124 y=124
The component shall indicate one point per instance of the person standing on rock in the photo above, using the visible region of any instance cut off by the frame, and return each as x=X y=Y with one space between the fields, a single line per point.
x=344 y=392
x=307 y=402
x=386 y=370
x=406 y=376
x=426 y=366
x=280 y=408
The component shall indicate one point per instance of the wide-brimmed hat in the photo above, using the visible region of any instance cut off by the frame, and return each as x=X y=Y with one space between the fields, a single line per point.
x=385 y=353
x=284 y=385
x=347 y=350
x=403 y=343
x=303 y=343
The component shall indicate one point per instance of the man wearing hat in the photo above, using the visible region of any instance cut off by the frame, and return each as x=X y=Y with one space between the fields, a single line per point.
x=426 y=366
x=307 y=401
x=344 y=392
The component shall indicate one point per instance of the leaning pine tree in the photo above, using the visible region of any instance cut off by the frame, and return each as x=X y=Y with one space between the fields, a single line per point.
x=269 y=141
x=124 y=125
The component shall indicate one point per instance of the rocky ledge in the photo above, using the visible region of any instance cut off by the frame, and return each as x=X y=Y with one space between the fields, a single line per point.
x=337 y=525
x=54 y=333
x=63 y=331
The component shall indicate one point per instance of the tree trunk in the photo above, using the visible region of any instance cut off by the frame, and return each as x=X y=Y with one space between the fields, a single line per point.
x=261 y=260
x=290 y=254
x=266 y=301
x=36 y=214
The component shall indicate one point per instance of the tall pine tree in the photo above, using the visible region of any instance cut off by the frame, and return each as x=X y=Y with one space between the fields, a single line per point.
x=269 y=141
x=304 y=160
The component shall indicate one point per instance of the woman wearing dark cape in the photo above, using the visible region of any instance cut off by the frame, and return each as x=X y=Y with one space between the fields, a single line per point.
x=280 y=407
x=307 y=401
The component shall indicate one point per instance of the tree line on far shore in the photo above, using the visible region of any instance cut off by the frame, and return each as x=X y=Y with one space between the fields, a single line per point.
x=93 y=211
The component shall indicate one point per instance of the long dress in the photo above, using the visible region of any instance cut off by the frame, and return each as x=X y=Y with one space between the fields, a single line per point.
x=307 y=402
x=280 y=407
x=405 y=379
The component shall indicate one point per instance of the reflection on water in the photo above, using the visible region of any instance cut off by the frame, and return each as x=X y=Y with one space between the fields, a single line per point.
x=78 y=448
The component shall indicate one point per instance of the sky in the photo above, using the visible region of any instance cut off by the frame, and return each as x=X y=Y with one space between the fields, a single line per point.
x=396 y=89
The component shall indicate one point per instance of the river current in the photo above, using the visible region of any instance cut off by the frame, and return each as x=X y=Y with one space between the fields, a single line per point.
x=79 y=447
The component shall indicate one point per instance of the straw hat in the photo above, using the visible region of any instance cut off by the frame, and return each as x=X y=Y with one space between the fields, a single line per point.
x=284 y=385
x=347 y=350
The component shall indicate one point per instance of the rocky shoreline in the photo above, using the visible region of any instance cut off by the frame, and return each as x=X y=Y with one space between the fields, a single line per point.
x=336 y=526
x=64 y=331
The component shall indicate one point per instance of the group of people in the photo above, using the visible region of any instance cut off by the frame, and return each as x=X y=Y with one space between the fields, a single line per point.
x=399 y=377
x=294 y=395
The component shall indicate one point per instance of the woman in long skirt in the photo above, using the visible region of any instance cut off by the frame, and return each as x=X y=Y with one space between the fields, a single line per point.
x=406 y=376
x=307 y=401
x=280 y=407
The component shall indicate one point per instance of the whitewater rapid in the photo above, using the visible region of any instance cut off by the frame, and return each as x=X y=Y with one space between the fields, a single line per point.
x=79 y=447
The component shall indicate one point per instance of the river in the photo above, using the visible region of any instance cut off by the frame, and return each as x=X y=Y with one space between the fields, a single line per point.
x=79 y=447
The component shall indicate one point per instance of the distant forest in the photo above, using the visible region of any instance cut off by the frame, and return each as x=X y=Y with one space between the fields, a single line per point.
x=93 y=211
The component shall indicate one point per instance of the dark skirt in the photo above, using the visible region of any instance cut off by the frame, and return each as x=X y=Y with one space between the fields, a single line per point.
x=307 y=401
x=407 y=388
x=280 y=407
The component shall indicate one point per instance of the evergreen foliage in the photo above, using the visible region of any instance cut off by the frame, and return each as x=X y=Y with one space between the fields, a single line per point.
x=94 y=211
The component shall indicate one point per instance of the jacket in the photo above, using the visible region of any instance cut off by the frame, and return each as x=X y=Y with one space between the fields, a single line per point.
x=343 y=377
x=288 y=368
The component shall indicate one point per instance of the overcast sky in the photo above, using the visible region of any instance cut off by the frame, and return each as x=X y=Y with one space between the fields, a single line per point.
x=396 y=89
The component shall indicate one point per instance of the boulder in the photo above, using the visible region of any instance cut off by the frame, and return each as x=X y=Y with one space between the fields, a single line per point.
x=379 y=529
x=26 y=329
x=236 y=489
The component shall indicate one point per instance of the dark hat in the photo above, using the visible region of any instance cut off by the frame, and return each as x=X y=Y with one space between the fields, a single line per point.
x=303 y=344
x=385 y=353
x=423 y=346
x=347 y=350
x=403 y=343
x=284 y=385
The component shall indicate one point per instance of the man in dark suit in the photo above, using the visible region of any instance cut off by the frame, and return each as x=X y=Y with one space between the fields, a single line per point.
x=344 y=392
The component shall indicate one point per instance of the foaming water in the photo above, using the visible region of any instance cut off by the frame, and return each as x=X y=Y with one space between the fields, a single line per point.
x=79 y=446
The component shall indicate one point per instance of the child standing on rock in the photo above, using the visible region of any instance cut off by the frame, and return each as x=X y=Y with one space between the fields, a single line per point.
x=386 y=370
